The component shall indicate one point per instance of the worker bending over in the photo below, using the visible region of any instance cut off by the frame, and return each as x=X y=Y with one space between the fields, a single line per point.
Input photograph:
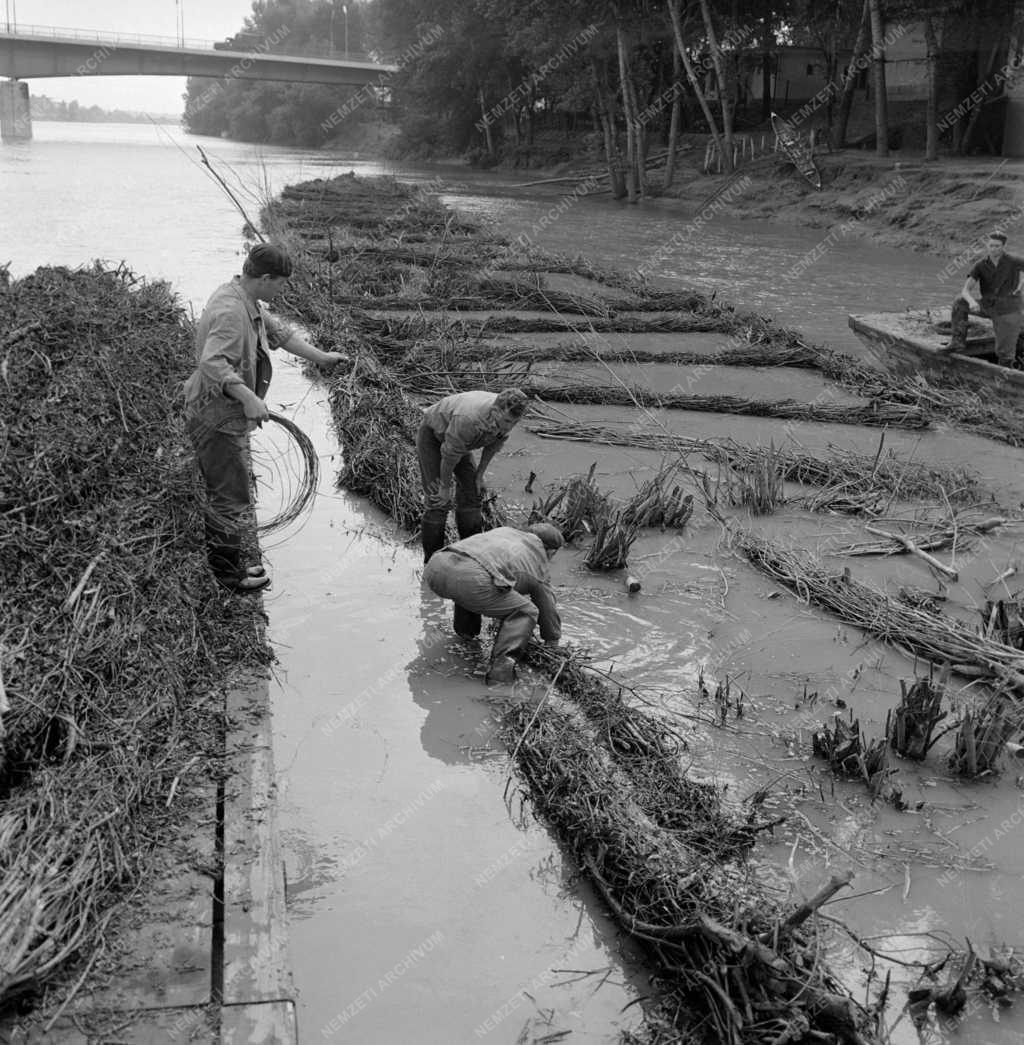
x=503 y=574
x=451 y=429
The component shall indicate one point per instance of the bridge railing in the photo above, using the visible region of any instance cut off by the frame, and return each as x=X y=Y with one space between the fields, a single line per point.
x=101 y=37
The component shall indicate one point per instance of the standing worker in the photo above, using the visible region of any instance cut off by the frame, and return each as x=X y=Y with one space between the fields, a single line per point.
x=224 y=403
x=999 y=277
x=451 y=429
x=504 y=574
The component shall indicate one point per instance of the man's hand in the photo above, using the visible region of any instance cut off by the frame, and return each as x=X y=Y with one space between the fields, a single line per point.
x=255 y=408
x=441 y=496
x=333 y=358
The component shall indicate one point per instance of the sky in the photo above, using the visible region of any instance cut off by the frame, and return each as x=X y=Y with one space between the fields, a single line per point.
x=203 y=20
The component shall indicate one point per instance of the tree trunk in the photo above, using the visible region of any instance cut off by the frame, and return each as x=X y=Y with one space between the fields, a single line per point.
x=487 y=123
x=673 y=127
x=632 y=150
x=720 y=76
x=691 y=75
x=640 y=135
x=850 y=80
x=878 y=53
x=767 y=45
x=611 y=147
x=972 y=120
x=931 y=141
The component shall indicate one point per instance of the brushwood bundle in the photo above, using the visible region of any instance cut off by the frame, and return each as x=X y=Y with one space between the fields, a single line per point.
x=111 y=632
x=666 y=857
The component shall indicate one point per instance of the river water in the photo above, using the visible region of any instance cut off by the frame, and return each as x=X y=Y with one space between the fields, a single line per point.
x=423 y=908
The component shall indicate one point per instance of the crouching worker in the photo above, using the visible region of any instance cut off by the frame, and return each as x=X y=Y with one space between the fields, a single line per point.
x=504 y=574
x=451 y=429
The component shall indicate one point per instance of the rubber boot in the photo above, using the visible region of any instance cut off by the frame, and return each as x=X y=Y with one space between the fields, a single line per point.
x=511 y=640
x=958 y=326
x=223 y=552
x=466 y=624
x=432 y=531
x=468 y=521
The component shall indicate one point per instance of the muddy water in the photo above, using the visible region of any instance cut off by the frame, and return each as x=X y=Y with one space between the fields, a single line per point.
x=423 y=907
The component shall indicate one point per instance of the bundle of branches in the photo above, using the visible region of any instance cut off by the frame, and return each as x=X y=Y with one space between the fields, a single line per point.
x=576 y=507
x=379 y=207
x=377 y=428
x=612 y=541
x=959 y=405
x=110 y=631
x=938 y=639
x=623 y=322
x=521 y=294
x=841 y=469
x=847 y=751
x=656 y=505
x=879 y=414
x=909 y=727
x=981 y=739
x=733 y=355
x=735 y=969
x=845 y=472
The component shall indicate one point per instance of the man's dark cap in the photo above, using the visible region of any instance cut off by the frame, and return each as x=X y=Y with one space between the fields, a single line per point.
x=267 y=260
x=550 y=536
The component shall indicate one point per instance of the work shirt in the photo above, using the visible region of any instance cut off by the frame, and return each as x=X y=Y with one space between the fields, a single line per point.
x=234 y=337
x=518 y=560
x=999 y=284
x=463 y=422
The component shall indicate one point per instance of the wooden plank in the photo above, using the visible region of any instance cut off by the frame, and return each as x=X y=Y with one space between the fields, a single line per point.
x=256 y=961
x=269 y=1023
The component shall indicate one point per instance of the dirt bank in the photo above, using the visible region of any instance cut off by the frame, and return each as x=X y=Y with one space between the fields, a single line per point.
x=902 y=201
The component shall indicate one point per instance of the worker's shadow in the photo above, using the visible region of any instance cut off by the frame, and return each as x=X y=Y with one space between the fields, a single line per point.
x=446 y=679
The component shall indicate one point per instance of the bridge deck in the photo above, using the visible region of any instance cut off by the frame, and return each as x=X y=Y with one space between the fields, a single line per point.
x=25 y=56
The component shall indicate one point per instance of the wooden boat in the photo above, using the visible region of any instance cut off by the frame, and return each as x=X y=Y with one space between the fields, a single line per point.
x=915 y=342
x=799 y=153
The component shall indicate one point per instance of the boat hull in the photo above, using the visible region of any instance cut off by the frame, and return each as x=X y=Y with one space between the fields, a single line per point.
x=914 y=343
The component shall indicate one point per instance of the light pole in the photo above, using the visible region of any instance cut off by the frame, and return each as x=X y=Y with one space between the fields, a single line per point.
x=344 y=11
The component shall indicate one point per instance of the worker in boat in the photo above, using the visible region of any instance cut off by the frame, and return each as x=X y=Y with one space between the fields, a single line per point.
x=998 y=279
x=452 y=428
x=503 y=574
x=224 y=403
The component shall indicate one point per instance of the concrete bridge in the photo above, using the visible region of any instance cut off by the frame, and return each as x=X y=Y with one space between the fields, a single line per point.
x=29 y=52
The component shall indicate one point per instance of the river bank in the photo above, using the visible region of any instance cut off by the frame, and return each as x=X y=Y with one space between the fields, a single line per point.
x=138 y=868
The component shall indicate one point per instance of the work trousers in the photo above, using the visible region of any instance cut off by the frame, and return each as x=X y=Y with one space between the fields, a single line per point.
x=468 y=516
x=222 y=453
x=473 y=590
x=1007 y=328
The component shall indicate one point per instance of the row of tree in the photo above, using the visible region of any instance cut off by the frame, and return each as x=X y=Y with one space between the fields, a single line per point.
x=45 y=108
x=636 y=72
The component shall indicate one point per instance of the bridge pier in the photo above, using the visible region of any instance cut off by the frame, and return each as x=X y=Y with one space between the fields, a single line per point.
x=15 y=111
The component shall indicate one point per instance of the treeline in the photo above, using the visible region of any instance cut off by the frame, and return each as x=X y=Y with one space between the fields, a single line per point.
x=44 y=108
x=285 y=113
x=482 y=77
